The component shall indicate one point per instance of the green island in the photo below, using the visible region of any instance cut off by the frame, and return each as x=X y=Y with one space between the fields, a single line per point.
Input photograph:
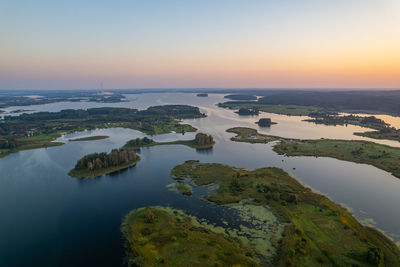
x=383 y=157
x=90 y=138
x=201 y=141
x=159 y=236
x=98 y=164
x=38 y=130
x=316 y=230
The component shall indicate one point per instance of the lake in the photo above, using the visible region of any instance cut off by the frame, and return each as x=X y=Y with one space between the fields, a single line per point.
x=51 y=219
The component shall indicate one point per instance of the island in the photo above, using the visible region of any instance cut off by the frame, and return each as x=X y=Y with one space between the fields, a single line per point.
x=157 y=236
x=90 y=138
x=248 y=111
x=98 y=164
x=202 y=95
x=249 y=135
x=383 y=157
x=316 y=231
x=37 y=130
x=201 y=141
x=265 y=122
x=241 y=97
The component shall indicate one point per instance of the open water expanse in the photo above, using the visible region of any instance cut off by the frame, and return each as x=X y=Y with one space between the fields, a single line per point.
x=50 y=219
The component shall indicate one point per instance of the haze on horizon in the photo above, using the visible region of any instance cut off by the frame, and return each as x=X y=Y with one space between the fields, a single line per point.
x=199 y=44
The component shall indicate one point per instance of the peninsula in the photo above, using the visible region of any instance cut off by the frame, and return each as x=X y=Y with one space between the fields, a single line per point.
x=316 y=230
x=201 y=141
x=157 y=236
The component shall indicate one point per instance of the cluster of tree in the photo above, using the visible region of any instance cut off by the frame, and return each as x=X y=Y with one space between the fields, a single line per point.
x=202 y=139
x=275 y=192
x=264 y=122
x=103 y=160
x=248 y=111
x=9 y=142
x=139 y=142
x=375 y=256
x=241 y=97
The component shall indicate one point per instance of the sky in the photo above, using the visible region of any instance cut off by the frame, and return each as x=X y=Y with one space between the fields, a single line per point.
x=199 y=44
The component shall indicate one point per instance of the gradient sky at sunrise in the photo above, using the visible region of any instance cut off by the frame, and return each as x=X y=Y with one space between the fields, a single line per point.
x=191 y=44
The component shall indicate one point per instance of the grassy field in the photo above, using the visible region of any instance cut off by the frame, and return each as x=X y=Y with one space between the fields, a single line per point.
x=318 y=232
x=97 y=173
x=91 y=138
x=291 y=110
x=381 y=156
x=157 y=236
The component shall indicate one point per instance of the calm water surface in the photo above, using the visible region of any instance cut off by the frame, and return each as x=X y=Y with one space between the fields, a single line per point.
x=49 y=218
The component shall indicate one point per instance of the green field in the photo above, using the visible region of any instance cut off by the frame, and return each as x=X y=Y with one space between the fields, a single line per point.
x=318 y=232
x=97 y=173
x=291 y=110
x=157 y=236
x=90 y=138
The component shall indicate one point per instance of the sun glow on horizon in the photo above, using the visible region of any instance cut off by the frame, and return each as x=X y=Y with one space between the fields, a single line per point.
x=259 y=44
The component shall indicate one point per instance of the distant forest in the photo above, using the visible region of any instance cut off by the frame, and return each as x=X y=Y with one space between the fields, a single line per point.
x=387 y=102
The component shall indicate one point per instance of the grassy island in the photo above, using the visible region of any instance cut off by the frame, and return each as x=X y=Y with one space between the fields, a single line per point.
x=201 y=141
x=317 y=231
x=91 y=138
x=158 y=236
x=36 y=130
x=98 y=164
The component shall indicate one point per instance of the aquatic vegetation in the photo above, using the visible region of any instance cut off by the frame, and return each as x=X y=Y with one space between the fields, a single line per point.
x=317 y=231
x=158 y=236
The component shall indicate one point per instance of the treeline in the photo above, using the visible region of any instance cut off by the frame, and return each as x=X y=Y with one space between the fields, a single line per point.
x=103 y=160
x=202 y=139
x=264 y=122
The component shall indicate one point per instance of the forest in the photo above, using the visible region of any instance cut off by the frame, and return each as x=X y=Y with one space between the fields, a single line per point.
x=103 y=160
